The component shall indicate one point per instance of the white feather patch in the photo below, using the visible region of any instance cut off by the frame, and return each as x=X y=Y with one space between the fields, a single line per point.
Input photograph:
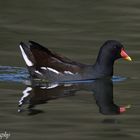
x=68 y=72
x=36 y=71
x=28 y=62
x=53 y=70
x=43 y=68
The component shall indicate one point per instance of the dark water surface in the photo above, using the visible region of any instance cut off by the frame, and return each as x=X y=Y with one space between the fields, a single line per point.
x=77 y=29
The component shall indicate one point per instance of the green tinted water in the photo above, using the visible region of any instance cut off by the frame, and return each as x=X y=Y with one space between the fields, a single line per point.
x=77 y=29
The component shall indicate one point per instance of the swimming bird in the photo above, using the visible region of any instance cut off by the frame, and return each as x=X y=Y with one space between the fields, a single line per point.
x=47 y=65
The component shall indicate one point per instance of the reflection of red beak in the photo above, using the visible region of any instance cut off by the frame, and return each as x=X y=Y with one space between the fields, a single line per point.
x=125 y=55
x=123 y=108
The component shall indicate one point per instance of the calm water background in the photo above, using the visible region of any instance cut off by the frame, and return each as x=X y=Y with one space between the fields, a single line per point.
x=77 y=29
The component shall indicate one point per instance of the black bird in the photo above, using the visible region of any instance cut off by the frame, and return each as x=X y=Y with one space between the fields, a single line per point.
x=46 y=65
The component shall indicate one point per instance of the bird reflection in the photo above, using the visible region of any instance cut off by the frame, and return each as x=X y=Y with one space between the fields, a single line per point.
x=40 y=93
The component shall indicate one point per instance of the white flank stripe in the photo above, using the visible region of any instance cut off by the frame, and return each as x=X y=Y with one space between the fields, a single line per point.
x=44 y=68
x=52 y=86
x=53 y=70
x=36 y=71
x=28 y=62
x=68 y=72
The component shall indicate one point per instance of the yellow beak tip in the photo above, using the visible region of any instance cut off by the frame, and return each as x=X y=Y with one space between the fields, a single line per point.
x=128 y=58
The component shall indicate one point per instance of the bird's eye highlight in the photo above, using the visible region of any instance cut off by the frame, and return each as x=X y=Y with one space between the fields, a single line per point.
x=115 y=47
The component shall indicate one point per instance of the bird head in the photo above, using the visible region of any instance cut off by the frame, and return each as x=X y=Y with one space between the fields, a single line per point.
x=111 y=51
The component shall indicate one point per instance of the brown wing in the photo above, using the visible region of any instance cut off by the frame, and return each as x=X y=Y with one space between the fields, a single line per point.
x=45 y=58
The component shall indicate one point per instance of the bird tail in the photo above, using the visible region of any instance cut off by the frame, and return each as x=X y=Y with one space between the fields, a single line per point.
x=27 y=54
x=29 y=59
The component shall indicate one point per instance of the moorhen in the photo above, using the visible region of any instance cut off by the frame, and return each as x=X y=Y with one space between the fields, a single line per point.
x=46 y=65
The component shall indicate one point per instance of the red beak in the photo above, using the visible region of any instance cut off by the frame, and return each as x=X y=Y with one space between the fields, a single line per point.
x=125 y=55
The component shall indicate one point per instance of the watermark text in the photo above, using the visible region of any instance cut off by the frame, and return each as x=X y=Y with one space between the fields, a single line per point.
x=4 y=135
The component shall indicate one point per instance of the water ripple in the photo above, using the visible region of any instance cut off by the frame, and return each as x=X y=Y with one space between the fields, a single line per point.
x=14 y=74
x=20 y=74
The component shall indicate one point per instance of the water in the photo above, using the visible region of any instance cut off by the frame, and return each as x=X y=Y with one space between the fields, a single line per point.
x=77 y=29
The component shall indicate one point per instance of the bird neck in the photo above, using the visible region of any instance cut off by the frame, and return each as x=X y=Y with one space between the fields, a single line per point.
x=104 y=67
